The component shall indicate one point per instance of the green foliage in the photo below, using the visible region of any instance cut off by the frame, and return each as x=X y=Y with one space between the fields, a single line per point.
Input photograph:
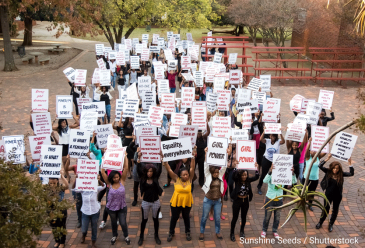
x=26 y=207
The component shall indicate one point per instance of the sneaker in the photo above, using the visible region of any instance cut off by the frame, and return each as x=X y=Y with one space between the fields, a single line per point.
x=188 y=237
x=276 y=235
x=140 y=241
x=311 y=208
x=78 y=225
x=169 y=238
x=102 y=225
x=118 y=222
x=127 y=241
x=113 y=240
x=259 y=191
x=160 y=215
x=134 y=203
x=263 y=234
x=157 y=239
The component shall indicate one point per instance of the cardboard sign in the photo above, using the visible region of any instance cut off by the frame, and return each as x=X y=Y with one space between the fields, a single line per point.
x=114 y=159
x=150 y=148
x=232 y=58
x=212 y=99
x=144 y=131
x=253 y=104
x=301 y=118
x=64 y=107
x=282 y=174
x=199 y=117
x=313 y=110
x=42 y=123
x=168 y=102
x=189 y=131
x=104 y=77
x=98 y=107
x=198 y=78
x=254 y=84
x=120 y=58
x=87 y=172
x=177 y=120
x=243 y=95
x=148 y=100
x=221 y=126
x=319 y=135
x=88 y=120
x=265 y=83
x=187 y=97
x=140 y=117
x=99 y=49
x=144 y=84
x=273 y=128
x=246 y=154
x=224 y=99
x=239 y=134
x=305 y=104
x=81 y=101
x=343 y=146
x=51 y=157
x=70 y=73
x=176 y=149
x=155 y=115
x=35 y=143
x=271 y=110
x=246 y=118
x=234 y=76
x=217 y=151
x=130 y=107
x=217 y=57
x=295 y=132
x=134 y=62
x=79 y=143
x=80 y=77
x=102 y=134
x=326 y=98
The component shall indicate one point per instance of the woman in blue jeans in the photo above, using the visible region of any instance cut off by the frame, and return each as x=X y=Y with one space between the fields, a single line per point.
x=105 y=96
x=90 y=211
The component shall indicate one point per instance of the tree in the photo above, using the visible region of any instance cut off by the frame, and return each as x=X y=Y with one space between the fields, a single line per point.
x=9 y=64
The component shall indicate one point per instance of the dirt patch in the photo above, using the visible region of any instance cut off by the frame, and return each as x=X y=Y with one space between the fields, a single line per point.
x=56 y=61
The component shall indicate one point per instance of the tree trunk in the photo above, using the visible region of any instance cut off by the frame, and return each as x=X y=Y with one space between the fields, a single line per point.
x=240 y=29
x=9 y=64
x=130 y=30
x=27 y=41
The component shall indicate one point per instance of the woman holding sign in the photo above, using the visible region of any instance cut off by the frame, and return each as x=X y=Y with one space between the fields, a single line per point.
x=116 y=201
x=105 y=96
x=128 y=131
x=296 y=150
x=182 y=199
x=332 y=184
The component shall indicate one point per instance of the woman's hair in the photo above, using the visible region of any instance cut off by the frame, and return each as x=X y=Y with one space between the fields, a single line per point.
x=339 y=173
x=126 y=121
x=181 y=170
x=106 y=88
x=275 y=136
x=238 y=176
x=213 y=168
x=112 y=174
x=59 y=128
x=146 y=169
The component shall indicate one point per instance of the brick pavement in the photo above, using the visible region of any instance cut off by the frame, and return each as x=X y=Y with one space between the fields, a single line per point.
x=16 y=104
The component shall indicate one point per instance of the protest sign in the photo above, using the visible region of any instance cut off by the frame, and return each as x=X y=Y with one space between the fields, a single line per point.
x=221 y=126
x=259 y=96
x=80 y=77
x=219 y=83
x=176 y=149
x=295 y=132
x=102 y=134
x=224 y=99
x=305 y=104
x=246 y=118
x=187 y=76
x=209 y=75
x=141 y=124
x=2 y=150
x=140 y=117
x=198 y=78
x=145 y=37
x=265 y=83
x=145 y=55
x=79 y=143
x=253 y=104
x=254 y=84
x=296 y=103
x=159 y=73
x=189 y=131
x=239 y=134
x=98 y=107
x=144 y=84
x=112 y=55
x=168 y=102
x=70 y=74
x=172 y=65
x=343 y=146
x=128 y=44
x=203 y=65
x=118 y=109
x=319 y=135
x=144 y=131
x=99 y=49
x=155 y=38
x=88 y=120
x=273 y=128
x=114 y=142
x=51 y=158
x=42 y=123
x=199 y=117
x=246 y=154
x=232 y=58
x=313 y=110
x=326 y=98
x=101 y=64
x=35 y=143
x=217 y=151
x=171 y=43
x=155 y=115
x=199 y=104
x=134 y=62
x=185 y=62
x=120 y=58
x=148 y=100
x=234 y=76
x=81 y=101
x=64 y=107
x=14 y=148
x=176 y=36
x=150 y=148
x=212 y=99
x=187 y=97
x=87 y=175
x=104 y=77
x=130 y=107
x=243 y=95
x=114 y=159
x=217 y=57
x=189 y=36
x=271 y=110
x=177 y=120
x=282 y=174
x=132 y=91
x=301 y=118
x=138 y=48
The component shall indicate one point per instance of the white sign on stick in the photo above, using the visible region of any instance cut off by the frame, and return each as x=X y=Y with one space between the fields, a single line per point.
x=326 y=98
x=282 y=174
x=87 y=175
x=343 y=146
x=217 y=151
x=88 y=120
x=42 y=123
x=176 y=149
x=35 y=143
x=155 y=115
x=102 y=134
x=51 y=158
x=271 y=110
x=150 y=148
x=79 y=143
x=246 y=154
x=64 y=107
x=189 y=131
x=80 y=77
x=70 y=73
x=259 y=96
x=319 y=135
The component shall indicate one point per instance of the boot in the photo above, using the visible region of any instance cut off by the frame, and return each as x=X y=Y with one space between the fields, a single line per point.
x=140 y=241
x=83 y=238
x=330 y=227
x=233 y=239
x=157 y=239
x=93 y=244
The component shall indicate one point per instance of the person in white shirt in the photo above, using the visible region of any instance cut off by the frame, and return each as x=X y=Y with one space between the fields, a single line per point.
x=113 y=73
x=90 y=210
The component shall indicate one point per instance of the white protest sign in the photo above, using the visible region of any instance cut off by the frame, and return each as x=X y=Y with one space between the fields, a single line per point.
x=343 y=146
x=243 y=95
x=104 y=77
x=198 y=78
x=140 y=117
x=176 y=149
x=188 y=76
x=120 y=58
x=217 y=57
x=239 y=134
x=98 y=107
x=99 y=49
x=159 y=73
x=185 y=62
x=102 y=134
x=64 y=107
x=254 y=84
x=273 y=128
x=199 y=117
x=2 y=150
x=35 y=143
x=189 y=36
x=139 y=48
x=81 y=101
x=79 y=143
x=326 y=98
x=51 y=158
x=70 y=73
x=145 y=37
x=271 y=110
x=128 y=44
x=80 y=77
x=187 y=97
x=134 y=62
x=112 y=55
x=148 y=100
x=168 y=102
x=118 y=109
x=232 y=58
x=130 y=107
x=14 y=148
x=246 y=154
x=259 y=96
x=217 y=151
x=144 y=131
x=171 y=44
x=132 y=91
x=114 y=159
x=177 y=120
x=176 y=36
x=101 y=64
x=209 y=75
x=155 y=115
x=282 y=174
x=305 y=104
x=145 y=55
x=246 y=118
x=224 y=99
x=141 y=124
x=253 y=104
x=296 y=103
x=221 y=126
x=265 y=83
x=212 y=99
x=88 y=120
x=144 y=84
x=189 y=131
x=319 y=135
x=42 y=123
x=87 y=175
x=313 y=110
x=172 y=65
x=150 y=148
x=234 y=76
x=155 y=38
x=219 y=83
x=295 y=132
x=114 y=142
x=163 y=87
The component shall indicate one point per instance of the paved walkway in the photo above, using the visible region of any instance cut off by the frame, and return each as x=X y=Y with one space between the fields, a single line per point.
x=14 y=114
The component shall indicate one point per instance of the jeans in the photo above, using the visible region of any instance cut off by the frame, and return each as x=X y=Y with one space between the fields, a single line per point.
x=207 y=205
x=78 y=198
x=172 y=90
x=243 y=205
x=268 y=213
x=203 y=57
x=120 y=215
x=94 y=224
x=202 y=97
x=126 y=81
x=107 y=109
x=113 y=79
x=175 y=214
x=301 y=171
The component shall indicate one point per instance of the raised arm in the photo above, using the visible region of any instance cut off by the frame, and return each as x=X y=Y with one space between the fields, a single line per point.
x=171 y=173
x=77 y=123
x=307 y=151
x=352 y=172
x=192 y=164
x=305 y=140
x=321 y=164
x=105 y=176
x=282 y=140
x=262 y=139
x=125 y=169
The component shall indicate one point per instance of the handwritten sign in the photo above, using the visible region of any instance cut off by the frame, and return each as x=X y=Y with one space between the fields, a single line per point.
x=234 y=76
x=42 y=123
x=145 y=55
x=80 y=77
x=99 y=49
x=88 y=120
x=101 y=64
x=296 y=103
x=35 y=143
x=219 y=83
x=253 y=104
x=81 y=101
x=70 y=74
x=271 y=110
x=87 y=172
x=273 y=128
x=246 y=154
x=114 y=159
x=118 y=109
x=319 y=135
x=212 y=99
x=246 y=118
x=217 y=57
x=221 y=126
x=102 y=134
x=177 y=120
x=150 y=148
x=144 y=84
x=282 y=174
x=239 y=134
x=144 y=131
x=265 y=83
x=64 y=107
x=185 y=62
x=295 y=132
x=232 y=58
x=187 y=97
x=120 y=58
x=176 y=149
x=259 y=96
x=223 y=100
x=305 y=104
x=148 y=100
x=140 y=117
x=301 y=118
x=326 y=98
x=79 y=143
x=313 y=110
x=168 y=102
x=243 y=95
x=134 y=62
x=189 y=131
x=130 y=107
x=217 y=151
x=155 y=115
x=14 y=148
x=98 y=107
x=254 y=84
x=51 y=158
x=343 y=146
x=198 y=78
x=199 y=117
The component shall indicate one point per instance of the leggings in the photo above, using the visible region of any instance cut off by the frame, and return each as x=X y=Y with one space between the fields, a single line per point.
x=175 y=214
x=336 y=198
x=200 y=162
x=243 y=205
x=120 y=215
x=135 y=190
x=105 y=213
x=265 y=167
x=60 y=223
x=144 y=221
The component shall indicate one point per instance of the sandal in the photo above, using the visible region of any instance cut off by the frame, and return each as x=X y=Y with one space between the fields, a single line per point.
x=56 y=245
x=63 y=246
x=222 y=217
x=166 y=186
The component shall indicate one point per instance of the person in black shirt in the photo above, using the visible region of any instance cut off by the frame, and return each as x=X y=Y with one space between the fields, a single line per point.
x=75 y=95
x=150 y=192
x=201 y=144
x=324 y=119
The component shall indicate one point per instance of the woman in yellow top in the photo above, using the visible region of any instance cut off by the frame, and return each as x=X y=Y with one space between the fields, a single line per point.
x=182 y=199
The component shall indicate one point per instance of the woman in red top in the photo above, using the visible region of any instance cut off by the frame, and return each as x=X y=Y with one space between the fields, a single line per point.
x=172 y=78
